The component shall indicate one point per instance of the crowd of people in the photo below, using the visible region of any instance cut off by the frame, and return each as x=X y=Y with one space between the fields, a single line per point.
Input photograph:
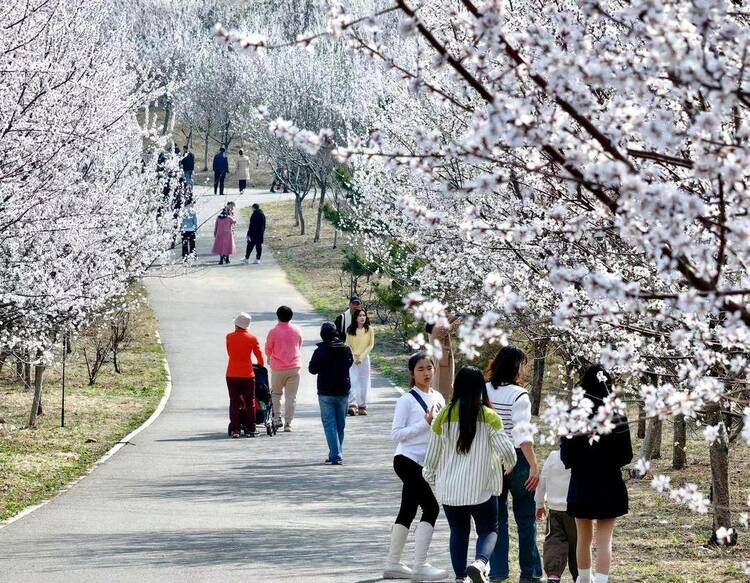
x=466 y=447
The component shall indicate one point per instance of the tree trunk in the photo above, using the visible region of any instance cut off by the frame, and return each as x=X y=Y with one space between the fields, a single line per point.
x=679 y=441
x=297 y=205
x=167 y=117
x=205 y=147
x=656 y=450
x=649 y=442
x=26 y=376
x=335 y=238
x=540 y=362
x=37 y=403
x=3 y=357
x=719 y=456
x=320 y=212
x=300 y=217
x=641 y=420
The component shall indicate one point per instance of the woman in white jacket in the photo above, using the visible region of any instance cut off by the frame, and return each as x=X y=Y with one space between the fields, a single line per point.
x=414 y=413
x=465 y=458
x=243 y=171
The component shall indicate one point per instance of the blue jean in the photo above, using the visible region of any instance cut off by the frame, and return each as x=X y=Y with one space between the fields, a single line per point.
x=333 y=416
x=524 y=511
x=459 y=520
x=188 y=176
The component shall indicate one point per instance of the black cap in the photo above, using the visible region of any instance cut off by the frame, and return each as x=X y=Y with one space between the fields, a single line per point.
x=355 y=300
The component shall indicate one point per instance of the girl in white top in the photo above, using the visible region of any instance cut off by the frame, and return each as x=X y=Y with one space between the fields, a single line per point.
x=414 y=413
x=465 y=459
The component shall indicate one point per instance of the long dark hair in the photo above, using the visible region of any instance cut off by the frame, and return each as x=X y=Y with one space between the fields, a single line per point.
x=596 y=390
x=469 y=393
x=352 y=329
x=504 y=369
x=414 y=360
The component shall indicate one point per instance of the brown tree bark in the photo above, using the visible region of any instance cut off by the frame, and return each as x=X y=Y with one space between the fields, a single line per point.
x=679 y=441
x=719 y=457
x=37 y=402
x=656 y=449
x=537 y=383
x=641 y=421
x=320 y=212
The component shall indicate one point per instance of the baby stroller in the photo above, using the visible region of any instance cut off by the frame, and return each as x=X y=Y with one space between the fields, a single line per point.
x=263 y=405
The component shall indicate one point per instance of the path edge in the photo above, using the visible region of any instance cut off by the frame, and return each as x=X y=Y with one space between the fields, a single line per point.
x=112 y=451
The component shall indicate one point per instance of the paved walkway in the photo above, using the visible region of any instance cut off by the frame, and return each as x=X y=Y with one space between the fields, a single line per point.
x=184 y=503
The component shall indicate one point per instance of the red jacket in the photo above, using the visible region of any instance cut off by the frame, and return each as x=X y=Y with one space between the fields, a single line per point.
x=241 y=345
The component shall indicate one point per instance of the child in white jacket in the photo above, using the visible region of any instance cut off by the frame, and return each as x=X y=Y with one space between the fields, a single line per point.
x=560 y=540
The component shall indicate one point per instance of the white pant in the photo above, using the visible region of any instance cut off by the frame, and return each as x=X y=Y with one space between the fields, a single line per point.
x=360 y=377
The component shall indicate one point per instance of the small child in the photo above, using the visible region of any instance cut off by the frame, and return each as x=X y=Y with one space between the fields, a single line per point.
x=560 y=541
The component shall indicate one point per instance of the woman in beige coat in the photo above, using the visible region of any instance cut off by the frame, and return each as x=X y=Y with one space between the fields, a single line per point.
x=243 y=170
x=446 y=369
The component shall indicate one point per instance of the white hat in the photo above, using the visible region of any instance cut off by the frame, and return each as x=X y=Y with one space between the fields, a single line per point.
x=243 y=320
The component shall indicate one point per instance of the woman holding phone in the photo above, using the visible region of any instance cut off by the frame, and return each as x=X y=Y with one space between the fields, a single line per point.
x=412 y=419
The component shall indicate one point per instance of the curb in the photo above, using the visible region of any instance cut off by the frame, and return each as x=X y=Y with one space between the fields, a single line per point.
x=113 y=450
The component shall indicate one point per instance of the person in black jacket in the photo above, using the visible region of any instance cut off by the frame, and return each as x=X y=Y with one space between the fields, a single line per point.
x=188 y=165
x=597 y=491
x=221 y=169
x=331 y=362
x=255 y=233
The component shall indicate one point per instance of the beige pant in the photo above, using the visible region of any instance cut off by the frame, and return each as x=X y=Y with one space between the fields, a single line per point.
x=284 y=381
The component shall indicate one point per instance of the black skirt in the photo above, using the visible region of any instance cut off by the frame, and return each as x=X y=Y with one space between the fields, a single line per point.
x=598 y=493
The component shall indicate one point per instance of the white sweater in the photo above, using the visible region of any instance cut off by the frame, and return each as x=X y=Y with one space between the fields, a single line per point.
x=553 y=484
x=513 y=405
x=410 y=431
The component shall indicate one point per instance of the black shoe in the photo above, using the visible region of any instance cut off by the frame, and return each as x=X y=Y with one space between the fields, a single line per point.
x=337 y=462
x=235 y=435
x=328 y=462
x=252 y=434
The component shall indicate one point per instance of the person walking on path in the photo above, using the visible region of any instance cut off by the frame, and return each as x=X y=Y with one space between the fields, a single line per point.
x=343 y=322
x=360 y=337
x=410 y=431
x=187 y=163
x=331 y=362
x=283 y=346
x=446 y=364
x=512 y=403
x=224 y=234
x=597 y=491
x=560 y=540
x=467 y=447
x=188 y=229
x=221 y=169
x=243 y=170
x=241 y=346
x=255 y=232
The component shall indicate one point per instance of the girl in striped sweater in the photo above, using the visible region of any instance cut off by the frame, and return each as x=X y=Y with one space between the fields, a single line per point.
x=465 y=457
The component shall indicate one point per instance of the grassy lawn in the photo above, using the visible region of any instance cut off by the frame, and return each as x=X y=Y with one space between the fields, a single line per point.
x=658 y=542
x=36 y=463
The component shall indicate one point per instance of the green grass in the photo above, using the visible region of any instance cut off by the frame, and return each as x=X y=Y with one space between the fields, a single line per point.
x=37 y=463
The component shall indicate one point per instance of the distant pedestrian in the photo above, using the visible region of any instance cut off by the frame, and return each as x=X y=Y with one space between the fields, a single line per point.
x=283 y=346
x=221 y=169
x=597 y=491
x=360 y=337
x=224 y=245
x=241 y=346
x=255 y=233
x=410 y=431
x=188 y=228
x=331 y=362
x=243 y=170
x=465 y=458
x=560 y=540
x=188 y=165
x=280 y=179
x=344 y=320
x=511 y=401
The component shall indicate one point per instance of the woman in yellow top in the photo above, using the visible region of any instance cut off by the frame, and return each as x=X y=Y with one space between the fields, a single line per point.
x=360 y=337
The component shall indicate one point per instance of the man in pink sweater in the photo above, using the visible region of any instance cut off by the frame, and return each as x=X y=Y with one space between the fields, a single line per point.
x=283 y=345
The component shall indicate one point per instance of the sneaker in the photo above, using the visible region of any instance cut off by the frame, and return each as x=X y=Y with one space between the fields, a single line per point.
x=328 y=462
x=362 y=411
x=477 y=572
x=287 y=428
x=245 y=261
x=252 y=434
x=337 y=462
x=235 y=435
x=257 y=262
x=352 y=411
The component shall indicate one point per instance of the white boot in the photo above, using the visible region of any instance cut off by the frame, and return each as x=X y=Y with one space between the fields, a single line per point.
x=394 y=568
x=584 y=575
x=422 y=570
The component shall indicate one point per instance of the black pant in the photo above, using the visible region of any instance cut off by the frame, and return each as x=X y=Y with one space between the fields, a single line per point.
x=219 y=182
x=416 y=492
x=243 y=185
x=241 y=403
x=250 y=246
x=188 y=243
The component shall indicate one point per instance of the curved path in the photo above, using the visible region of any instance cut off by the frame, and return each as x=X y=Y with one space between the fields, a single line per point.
x=184 y=503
